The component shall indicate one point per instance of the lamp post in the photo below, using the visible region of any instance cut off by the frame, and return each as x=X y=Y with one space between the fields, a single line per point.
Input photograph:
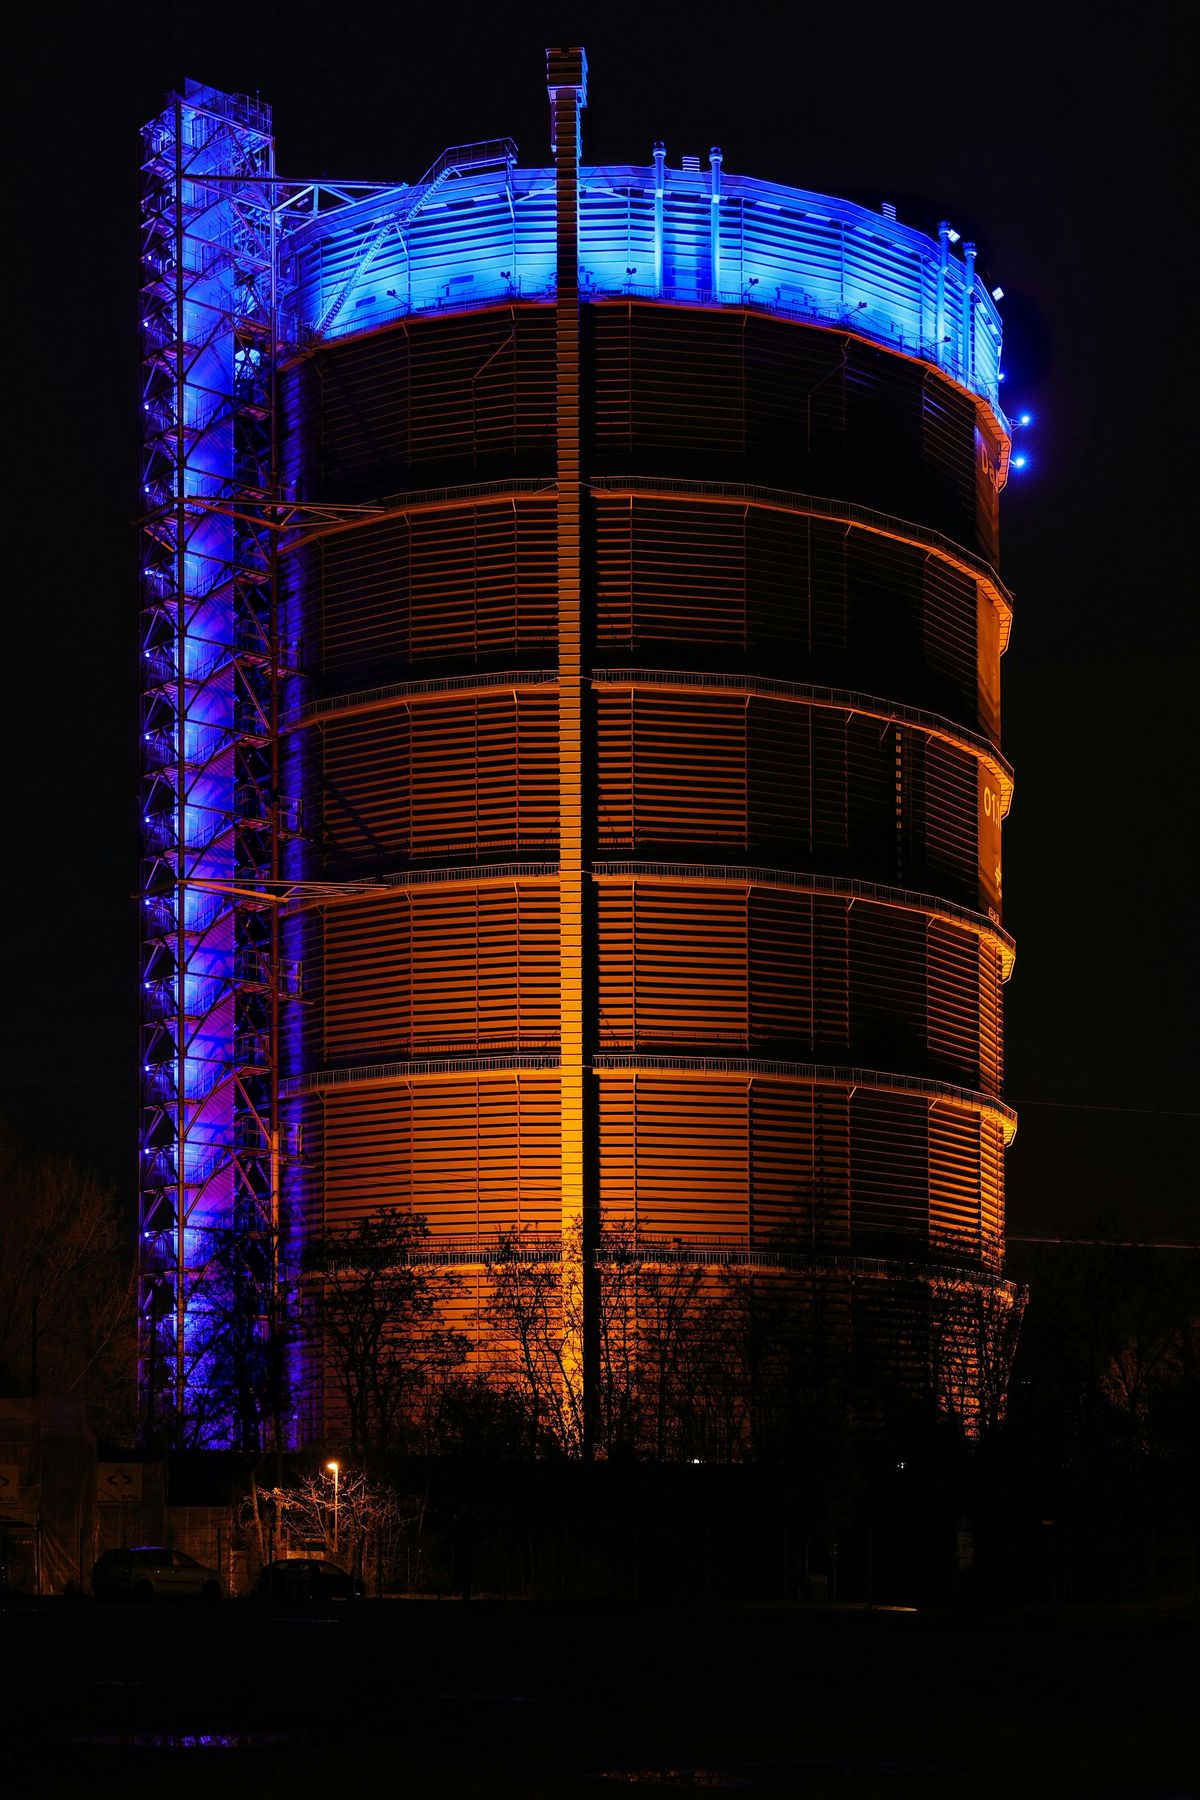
x=334 y=1469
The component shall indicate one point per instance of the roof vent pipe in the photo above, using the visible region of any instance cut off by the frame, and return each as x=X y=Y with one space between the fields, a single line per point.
x=968 y=314
x=939 y=319
x=660 y=182
x=714 y=163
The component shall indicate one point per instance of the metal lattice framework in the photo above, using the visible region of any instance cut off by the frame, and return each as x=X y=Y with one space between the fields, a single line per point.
x=221 y=234
x=213 y=663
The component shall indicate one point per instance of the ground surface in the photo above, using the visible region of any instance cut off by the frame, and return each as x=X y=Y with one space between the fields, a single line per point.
x=433 y=1699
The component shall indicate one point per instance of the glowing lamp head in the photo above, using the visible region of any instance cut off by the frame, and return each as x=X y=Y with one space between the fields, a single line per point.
x=333 y=1467
x=997 y=293
x=1019 y=462
x=1025 y=419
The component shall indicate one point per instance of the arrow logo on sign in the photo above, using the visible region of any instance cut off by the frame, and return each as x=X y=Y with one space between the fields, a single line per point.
x=120 y=1478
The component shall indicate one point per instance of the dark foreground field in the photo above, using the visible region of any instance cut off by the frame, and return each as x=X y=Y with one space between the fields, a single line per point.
x=429 y=1699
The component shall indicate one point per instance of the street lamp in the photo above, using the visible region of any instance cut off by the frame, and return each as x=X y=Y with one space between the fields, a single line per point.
x=334 y=1469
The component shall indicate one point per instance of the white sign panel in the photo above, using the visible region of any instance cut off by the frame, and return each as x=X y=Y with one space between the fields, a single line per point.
x=10 y=1484
x=118 y=1481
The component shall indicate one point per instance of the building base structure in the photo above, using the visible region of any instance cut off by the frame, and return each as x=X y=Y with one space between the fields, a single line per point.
x=575 y=638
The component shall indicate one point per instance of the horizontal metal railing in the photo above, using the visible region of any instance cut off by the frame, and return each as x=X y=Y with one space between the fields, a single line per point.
x=486 y=293
x=816 y=505
x=840 y=317
x=662 y=1063
x=518 y=485
x=821 y=1074
x=427 y=687
x=417 y=500
x=522 y=1247
x=845 y=699
x=368 y=1074
x=753 y=875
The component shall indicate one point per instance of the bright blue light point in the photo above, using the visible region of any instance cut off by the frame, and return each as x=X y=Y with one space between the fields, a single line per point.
x=1019 y=462
x=1025 y=419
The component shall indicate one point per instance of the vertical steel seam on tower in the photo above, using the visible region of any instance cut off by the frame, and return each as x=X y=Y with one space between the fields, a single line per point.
x=566 y=75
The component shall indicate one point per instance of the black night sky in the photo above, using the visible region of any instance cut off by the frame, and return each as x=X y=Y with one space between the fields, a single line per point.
x=1053 y=136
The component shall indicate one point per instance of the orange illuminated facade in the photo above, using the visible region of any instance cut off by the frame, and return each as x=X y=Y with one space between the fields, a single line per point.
x=644 y=727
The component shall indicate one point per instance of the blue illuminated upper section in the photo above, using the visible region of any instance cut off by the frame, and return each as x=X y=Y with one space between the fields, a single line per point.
x=691 y=236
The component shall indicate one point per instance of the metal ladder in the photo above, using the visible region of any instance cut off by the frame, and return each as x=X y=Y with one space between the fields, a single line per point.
x=459 y=159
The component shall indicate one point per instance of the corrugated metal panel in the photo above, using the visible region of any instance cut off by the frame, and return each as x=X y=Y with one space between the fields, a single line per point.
x=471 y=585
x=954 y=1182
x=694 y=391
x=418 y=972
x=887 y=988
x=465 y=389
x=473 y=777
x=783 y=955
x=790 y=779
x=950 y=838
x=889 y=1151
x=675 y=1158
x=472 y=1156
x=954 y=1018
x=991 y=1020
x=992 y=1194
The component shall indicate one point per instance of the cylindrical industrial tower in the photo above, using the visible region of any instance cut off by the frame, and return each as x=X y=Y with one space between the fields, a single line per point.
x=631 y=682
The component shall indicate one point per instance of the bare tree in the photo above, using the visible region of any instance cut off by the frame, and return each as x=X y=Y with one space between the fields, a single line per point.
x=380 y=1311
x=662 y=1390
x=67 y=1301
x=531 y=1319
x=361 y=1527
x=973 y=1331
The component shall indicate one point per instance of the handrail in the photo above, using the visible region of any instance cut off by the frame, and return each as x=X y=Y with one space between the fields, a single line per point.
x=653 y=1062
x=754 y=875
x=366 y=1075
x=457 y=159
x=844 y=699
x=848 y=512
x=428 y=687
x=530 y=1247
x=304 y=894
x=820 y=1074
x=438 y=499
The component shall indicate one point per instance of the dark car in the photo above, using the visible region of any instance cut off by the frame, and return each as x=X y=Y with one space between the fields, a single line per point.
x=149 y=1571
x=302 y=1579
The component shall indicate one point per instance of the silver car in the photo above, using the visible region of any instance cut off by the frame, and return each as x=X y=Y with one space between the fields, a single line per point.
x=151 y=1570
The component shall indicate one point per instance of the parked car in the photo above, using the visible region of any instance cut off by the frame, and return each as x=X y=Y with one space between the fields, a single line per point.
x=301 y=1579
x=150 y=1570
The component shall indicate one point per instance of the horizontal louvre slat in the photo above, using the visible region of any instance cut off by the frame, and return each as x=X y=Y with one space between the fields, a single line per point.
x=473 y=1157
x=825 y=413
x=473 y=777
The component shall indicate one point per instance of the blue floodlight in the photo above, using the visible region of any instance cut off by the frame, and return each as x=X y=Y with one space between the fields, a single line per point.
x=1025 y=419
x=997 y=293
x=953 y=235
x=1019 y=462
